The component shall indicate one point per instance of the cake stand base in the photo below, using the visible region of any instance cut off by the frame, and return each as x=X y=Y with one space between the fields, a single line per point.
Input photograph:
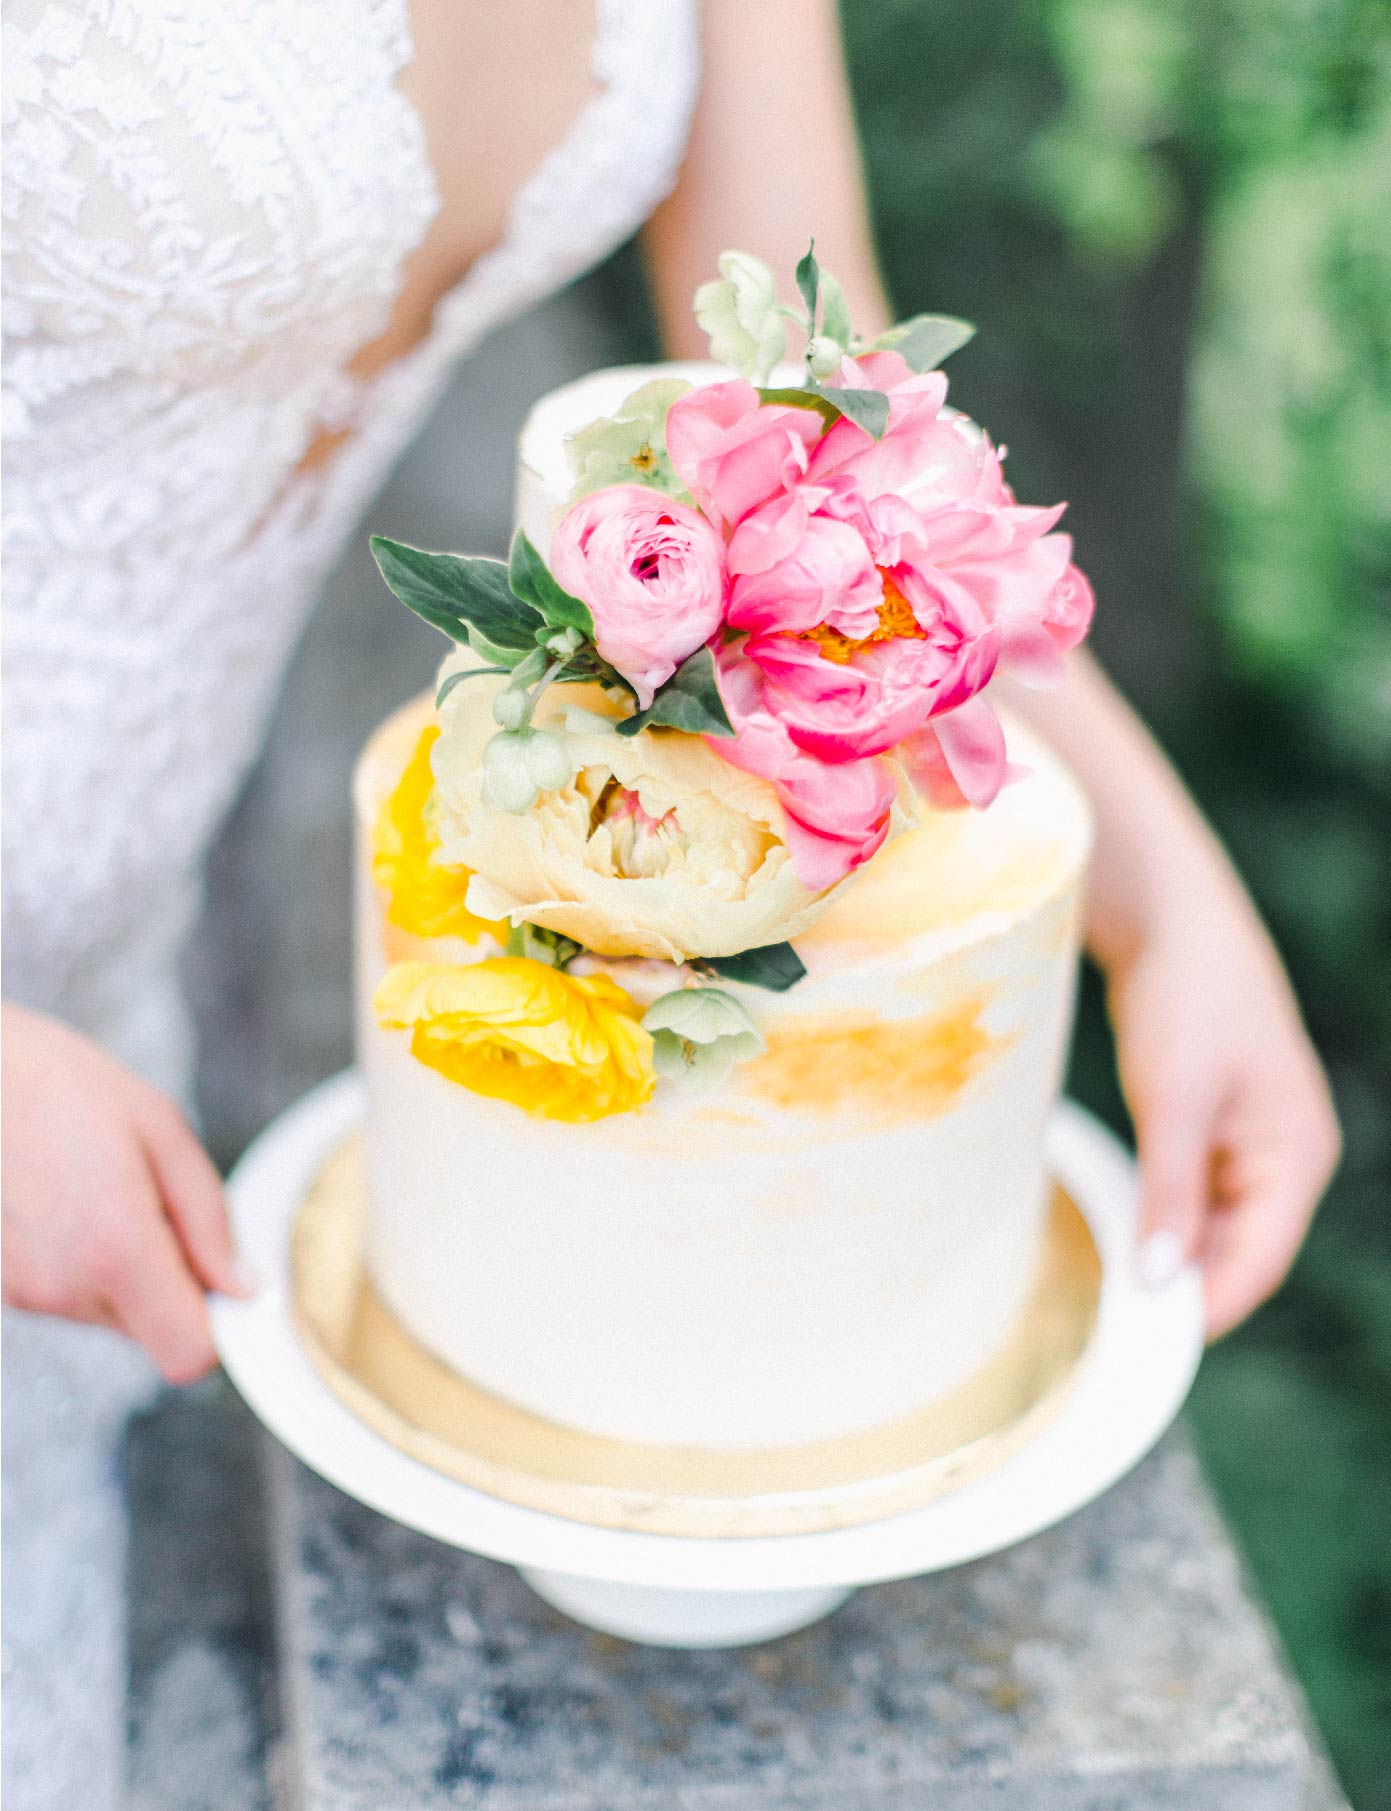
x=664 y=1618
x=691 y=1591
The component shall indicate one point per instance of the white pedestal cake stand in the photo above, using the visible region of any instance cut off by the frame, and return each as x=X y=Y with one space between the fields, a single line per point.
x=683 y=1592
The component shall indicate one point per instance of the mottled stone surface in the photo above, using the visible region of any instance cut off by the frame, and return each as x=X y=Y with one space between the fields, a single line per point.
x=1112 y=1664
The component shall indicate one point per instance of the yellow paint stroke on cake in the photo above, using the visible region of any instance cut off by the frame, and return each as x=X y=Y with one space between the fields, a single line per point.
x=882 y=1070
x=932 y=879
x=423 y=898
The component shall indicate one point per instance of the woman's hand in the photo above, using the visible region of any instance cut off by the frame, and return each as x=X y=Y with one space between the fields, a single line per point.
x=1236 y=1129
x=113 y=1212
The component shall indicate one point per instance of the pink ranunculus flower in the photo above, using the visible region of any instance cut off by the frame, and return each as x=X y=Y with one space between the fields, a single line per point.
x=652 y=572
x=733 y=452
x=836 y=814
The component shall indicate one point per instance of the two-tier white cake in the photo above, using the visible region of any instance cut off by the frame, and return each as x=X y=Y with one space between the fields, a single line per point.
x=839 y=1231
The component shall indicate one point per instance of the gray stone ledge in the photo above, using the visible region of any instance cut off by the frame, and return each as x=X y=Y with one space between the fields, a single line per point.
x=1112 y=1664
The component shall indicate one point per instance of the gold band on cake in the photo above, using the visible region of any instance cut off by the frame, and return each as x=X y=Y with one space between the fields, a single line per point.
x=425 y=1409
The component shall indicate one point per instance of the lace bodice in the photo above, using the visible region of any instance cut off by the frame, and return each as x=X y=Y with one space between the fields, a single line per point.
x=208 y=205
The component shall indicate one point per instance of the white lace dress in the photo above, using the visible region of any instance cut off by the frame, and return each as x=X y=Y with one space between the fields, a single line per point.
x=207 y=209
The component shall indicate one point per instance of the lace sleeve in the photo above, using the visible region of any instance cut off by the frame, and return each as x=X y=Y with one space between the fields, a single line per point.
x=178 y=303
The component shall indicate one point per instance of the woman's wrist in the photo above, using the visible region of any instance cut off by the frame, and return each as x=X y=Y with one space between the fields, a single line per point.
x=1158 y=873
x=1166 y=880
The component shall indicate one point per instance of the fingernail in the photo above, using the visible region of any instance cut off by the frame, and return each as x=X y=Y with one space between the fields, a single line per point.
x=246 y=1277
x=1161 y=1258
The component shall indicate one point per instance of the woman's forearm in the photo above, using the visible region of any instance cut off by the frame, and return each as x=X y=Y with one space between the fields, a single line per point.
x=1156 y=856
x=772 y=159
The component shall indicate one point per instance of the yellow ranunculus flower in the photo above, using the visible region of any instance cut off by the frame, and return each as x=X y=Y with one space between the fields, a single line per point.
x=561 y=1046
x=423 y=896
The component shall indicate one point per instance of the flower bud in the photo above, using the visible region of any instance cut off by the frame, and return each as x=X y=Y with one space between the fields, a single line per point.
x=824 y=355
x=551 y=765
x=512 y=707
x=562 y=643
x=519 y=765
x=698 y=1032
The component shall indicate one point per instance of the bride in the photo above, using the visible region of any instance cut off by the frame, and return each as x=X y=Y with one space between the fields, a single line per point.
x=245 y=243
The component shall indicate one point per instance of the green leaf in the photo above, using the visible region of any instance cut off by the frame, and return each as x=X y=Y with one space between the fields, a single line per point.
x=530 y=667
x=586 y=668
x=531 y=580
x=776 y=966
x=458 y=594
x=451 y=680
x=689 y=700
x=835 y=311
x=506 y=658
x=808 y=282
x=801 y=398
x=538 y=944
x=927 y=339
x=868 y=409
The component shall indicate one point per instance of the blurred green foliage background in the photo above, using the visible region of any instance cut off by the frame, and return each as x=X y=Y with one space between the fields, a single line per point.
x=1172 y=221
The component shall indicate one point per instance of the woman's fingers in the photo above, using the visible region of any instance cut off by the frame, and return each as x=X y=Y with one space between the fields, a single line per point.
x=1251 y=1246
x=194 y=1199
x=1174 y=1129
x=1271 y=1177
x=156 y=1298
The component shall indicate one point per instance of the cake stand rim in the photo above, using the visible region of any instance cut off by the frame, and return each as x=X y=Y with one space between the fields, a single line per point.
x=1129 y=1385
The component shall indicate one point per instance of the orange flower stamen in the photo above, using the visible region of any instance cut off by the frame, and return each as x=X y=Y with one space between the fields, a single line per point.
x=896 y=623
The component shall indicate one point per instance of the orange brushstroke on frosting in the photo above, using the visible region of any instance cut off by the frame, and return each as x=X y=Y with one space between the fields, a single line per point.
x=881 y=1069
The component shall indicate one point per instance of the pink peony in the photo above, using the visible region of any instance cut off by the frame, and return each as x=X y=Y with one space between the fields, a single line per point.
x=881 y=588
x=836 y=815
x=652 y=572
x=733 y=452
x=826 y=577
x=875 y=697
x=959 y=758
x=931 y=498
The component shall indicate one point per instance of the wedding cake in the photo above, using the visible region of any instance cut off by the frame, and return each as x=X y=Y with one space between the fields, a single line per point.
x=716 y=944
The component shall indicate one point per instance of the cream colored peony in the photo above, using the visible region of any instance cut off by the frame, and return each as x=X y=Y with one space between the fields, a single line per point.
x=656 y=847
